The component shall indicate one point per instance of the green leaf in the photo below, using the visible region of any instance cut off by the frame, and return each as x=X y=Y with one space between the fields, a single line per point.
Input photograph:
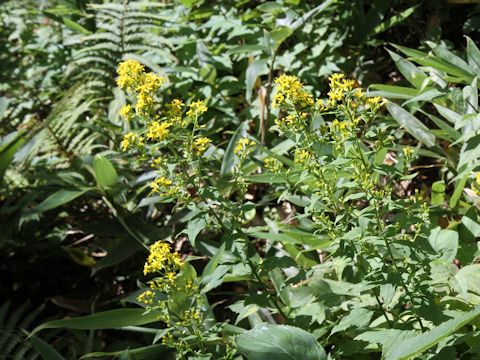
x=194 y=226
x=438 y=192
x=393 y=92
x=46 y=351
x=79 y=256
x=255 y=69
x=279 y=342
x=111 y=319
x=411 y=124
x=358 y=318
x=409 y=348
x=444 y=242
x=59 y=198
x=105 y=173
x=230 y=159
x=280 y=34
x=394 y=20
x=151 y=352
x=8 y=147
x=457 y=193
x=473 y=55
x=414 y=75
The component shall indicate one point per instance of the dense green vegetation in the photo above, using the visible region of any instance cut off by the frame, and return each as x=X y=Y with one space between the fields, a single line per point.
x=239 y=179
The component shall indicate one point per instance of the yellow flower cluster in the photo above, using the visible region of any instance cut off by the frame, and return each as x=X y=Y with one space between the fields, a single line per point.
x=408 y=151
x=129 y=72
x=200 y=145
x=157 y=130
x=146 y=297
x=174 y=109
x=164 y=186
x=161 y=259
x=126 y=112
x=477 y=178
x=273 y=165
x=133 y=78
x=303 y=156
x=290 y=91
x=131 y=140
x=244 y=147
x=196 y=108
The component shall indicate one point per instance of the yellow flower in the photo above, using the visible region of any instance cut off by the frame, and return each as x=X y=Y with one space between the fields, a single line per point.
x=174 y=108
x=129 y=72
x=158 y=130
x=160 y=183
x=477 y=178
x=273 y=165
x=126 y=112
x=303 y=156
x=408 y=151
x=161 y=259
x=374 y=101
x=158 y=163
x=146 y=297
x=335 y=95
x=244 y=147
x=200 y=145
x=131 y=140
x=335 y=80
x=144 y=103
x=291 y=90
x=149 y=83
x=346 y=85
x=197 y=108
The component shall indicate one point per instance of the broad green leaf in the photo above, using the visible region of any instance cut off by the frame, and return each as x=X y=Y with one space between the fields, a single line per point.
x=112 y=319
x=409 y=348
x=358 y=318
x=448 y=114
x=393 y=92
x=427 y=60
x=255 y=69
x=467 y=283
x=194 y=226
x=230 y=159
x=59 y=198
x=105 y=173
x=280 y=34
x=444 y=242
x=46 y=351
x=411 y=124
x=473 y=55
x=443 y=53
x=414 y=75
x=279 y=342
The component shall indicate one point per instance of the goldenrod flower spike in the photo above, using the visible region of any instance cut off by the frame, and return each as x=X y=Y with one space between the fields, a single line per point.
x=129 y=72
x=200 y=145
x=290 y=91
x=244 y=147
x=162 y=260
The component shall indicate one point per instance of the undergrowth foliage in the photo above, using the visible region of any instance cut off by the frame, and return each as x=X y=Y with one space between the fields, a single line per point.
x=281 y=209
x=355 y=260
